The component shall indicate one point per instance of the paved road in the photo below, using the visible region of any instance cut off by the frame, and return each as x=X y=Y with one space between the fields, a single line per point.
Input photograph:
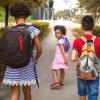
x=67 y=92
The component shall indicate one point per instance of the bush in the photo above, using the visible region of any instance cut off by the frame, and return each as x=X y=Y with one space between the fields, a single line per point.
x=2 y=65
x=2 y=30
x=79 y=32
x=96 y=31
x=43 y=27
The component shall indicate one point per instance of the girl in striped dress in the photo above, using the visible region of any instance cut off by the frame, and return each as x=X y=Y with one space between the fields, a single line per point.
x=24 y=76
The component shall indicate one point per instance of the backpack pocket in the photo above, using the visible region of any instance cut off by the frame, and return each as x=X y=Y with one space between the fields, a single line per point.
x=87 y=76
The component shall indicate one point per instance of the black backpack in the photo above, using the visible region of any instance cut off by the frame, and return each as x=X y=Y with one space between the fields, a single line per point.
x=16 y=46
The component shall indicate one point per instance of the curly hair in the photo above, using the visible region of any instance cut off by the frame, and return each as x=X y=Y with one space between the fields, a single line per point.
x=61 y=28
x=87 y=23
x=20 y=9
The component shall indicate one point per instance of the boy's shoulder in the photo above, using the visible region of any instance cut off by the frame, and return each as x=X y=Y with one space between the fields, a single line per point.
x=77 y=40
x=80 y=41
x=97 y=40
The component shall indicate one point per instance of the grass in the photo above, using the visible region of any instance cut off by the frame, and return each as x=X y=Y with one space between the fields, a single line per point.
x=2 y=14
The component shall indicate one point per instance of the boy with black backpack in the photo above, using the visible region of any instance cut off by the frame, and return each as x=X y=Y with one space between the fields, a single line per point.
x=86 y=50
x=17 y=53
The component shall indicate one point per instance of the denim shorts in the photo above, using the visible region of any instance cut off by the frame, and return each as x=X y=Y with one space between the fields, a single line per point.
x=88 y=87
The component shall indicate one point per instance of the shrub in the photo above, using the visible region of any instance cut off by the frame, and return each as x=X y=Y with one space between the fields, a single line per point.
x=96 y=31
x=43 y=27
x=2 y=65
x=79 y=32
x=2 y=30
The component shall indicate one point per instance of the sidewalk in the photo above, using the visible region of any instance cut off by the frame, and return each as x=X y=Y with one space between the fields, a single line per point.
x=4 y=92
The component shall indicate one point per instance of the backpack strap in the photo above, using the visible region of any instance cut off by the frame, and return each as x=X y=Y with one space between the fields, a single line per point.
x=83 y=38
x=93 y=38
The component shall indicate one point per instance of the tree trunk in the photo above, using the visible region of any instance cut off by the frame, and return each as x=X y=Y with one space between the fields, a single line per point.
x=6 y=14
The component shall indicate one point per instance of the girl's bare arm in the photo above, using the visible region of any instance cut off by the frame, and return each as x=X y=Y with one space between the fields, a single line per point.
x=38 y=48
x=63 y=52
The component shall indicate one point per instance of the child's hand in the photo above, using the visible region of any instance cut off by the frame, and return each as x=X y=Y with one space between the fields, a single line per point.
x=65 y=60
x=36 y=61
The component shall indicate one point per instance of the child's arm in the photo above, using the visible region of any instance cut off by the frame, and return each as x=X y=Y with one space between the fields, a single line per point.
x=74 y=56
x=64 y=54
x=38 y=48
x=36 y=41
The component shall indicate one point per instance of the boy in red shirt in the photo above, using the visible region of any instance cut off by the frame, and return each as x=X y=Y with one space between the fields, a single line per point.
x=86 y=87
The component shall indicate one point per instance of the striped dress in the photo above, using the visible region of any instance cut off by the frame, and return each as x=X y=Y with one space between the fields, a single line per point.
x=22 y=76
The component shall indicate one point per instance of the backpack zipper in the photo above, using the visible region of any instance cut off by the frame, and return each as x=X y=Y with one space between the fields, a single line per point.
x=21 y=42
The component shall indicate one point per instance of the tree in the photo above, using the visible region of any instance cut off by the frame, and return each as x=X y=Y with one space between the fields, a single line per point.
x=51 y=2
x=7 y=3
x=91 y=6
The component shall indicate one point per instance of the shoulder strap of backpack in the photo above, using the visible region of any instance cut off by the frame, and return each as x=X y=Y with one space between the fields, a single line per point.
x=83 y=38
x=93 y=38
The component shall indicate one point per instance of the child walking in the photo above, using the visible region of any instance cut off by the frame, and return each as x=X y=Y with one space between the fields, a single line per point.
x=26 y=76
x=87 y=89
x=60 y=62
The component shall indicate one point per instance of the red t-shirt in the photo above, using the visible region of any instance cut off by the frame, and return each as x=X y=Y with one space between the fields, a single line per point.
x=78 y=44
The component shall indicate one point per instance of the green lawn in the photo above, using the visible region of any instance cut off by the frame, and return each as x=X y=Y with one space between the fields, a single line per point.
x=2 y=14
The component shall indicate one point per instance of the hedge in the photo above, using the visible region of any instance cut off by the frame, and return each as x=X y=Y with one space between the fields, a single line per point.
x=96 y=31
x=2 y=65
x=43 y=27
x=79 y=32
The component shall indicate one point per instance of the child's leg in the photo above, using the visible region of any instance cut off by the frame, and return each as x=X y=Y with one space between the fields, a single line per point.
x=62 y=75
x=93 y=89
x=55 y=83
x=54 y=76
x=15 y=92
x=27 y=92
x=82 y=97
x=82 y=89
